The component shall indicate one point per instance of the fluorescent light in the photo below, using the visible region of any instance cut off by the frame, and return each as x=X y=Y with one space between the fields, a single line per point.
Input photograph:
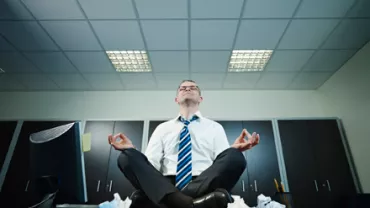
x=249 y=60
x=130 y=61
x=1 y=70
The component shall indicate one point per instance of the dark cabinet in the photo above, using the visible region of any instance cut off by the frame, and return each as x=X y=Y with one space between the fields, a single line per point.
x=316 y=164
x=262 y=162
x=17 y=180
x=233 y=130
x=96 y=160
x=103 y=177
x=116 y=181
x=7 y=129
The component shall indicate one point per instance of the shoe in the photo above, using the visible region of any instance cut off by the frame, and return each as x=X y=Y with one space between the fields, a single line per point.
x=217 y=199
x=138 y=199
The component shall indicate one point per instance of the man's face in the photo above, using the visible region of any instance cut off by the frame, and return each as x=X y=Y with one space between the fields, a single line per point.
x=188 y=91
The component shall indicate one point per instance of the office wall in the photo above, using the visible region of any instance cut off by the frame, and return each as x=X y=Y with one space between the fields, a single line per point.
x=347 y=95
x=157 y=105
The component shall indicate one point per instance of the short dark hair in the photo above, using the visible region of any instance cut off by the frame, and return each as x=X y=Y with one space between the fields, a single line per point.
x=189 y=80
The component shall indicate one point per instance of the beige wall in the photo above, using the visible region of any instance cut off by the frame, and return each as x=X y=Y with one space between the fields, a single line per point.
x=157 y=105
x=347 y=95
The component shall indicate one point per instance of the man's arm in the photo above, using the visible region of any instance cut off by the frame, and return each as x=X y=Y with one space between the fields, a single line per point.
x=154 y=150
x=221 y=142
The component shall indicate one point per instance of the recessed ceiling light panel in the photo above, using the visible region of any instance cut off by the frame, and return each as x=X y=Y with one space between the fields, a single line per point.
x=130 y=61
x=249 y=60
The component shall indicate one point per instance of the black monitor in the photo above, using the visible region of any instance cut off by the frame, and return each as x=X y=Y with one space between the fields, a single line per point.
x=57 y=153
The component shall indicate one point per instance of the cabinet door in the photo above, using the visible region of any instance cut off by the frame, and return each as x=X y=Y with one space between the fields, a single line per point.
x=233 y=130
x=7 y=130
x=116 y=181
x=17 y=180
x=97 y=159
x=335 y=176
x=300 y=163
x=263 y=166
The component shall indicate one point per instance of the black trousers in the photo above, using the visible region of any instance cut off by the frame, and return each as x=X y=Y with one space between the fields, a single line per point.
x=223 y=173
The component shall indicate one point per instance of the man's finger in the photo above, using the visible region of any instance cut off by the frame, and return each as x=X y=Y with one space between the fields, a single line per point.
x=247 y=134
x=119 y=135
x=110 y=138
x=258 y=139
x=242 y=134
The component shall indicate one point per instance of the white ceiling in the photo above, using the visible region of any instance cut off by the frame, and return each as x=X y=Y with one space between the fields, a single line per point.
x=60 y=44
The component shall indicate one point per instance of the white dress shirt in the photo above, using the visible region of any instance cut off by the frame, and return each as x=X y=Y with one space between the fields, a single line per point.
x=208 y=139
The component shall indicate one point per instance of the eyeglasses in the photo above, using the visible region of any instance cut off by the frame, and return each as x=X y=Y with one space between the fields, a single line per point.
x=183 y=88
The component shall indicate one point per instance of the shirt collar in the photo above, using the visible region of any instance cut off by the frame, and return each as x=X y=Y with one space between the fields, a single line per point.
x=196 y=113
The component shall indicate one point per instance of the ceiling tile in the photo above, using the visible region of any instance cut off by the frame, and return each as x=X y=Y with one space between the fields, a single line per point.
x=170 y=81
x=8 y=82
x=51 y=62
x=350 y=34
x=126 y=34
x=13 y=62
x=208 y=81
x=104 y=81
x=46 y=9
x=289 y=60
x=36 y=81
x=216 y=8
x=10 y=9
x=169 y=61
x=5 y=46
x=138 y=81
x=209 y=61
x=275 y=80
x=162 y=8
x=361 y=9
x=310 y=80
x=36 y=38
x=260 y=34
x=241 y=80
x=108 y=9
x=166 y=35
x=70 y=81
x=307 y=34
x=91 y=62
x=270 y=9
x=327 y=8
x=72 y=35
x=329 y=60
x=213 y=34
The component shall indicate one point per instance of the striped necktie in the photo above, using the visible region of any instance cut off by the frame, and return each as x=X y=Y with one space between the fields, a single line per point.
x=184 y=166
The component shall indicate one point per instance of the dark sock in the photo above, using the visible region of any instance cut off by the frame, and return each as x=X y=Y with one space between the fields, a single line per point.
x=178 y=200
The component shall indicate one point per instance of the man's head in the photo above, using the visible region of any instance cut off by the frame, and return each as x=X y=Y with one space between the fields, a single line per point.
x=188 y=92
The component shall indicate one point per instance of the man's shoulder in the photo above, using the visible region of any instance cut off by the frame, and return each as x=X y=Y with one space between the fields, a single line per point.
x=211 y=122
x=165 y=124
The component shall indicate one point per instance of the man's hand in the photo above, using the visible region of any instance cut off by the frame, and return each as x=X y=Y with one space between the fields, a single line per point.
x=123 y=143
x=243 y=144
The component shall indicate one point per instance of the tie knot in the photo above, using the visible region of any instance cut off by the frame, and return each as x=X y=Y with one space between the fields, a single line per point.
x=187 y=122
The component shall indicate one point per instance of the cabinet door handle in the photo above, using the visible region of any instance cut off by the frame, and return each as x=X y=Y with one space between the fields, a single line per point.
x=255 y=186
x=243 y=186
x=110 y=186
x=327 y=182
x=317 y=189
x=98 y=186
x=28 y=183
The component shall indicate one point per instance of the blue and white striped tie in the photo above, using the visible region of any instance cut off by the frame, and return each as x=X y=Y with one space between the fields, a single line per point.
x=184 y=166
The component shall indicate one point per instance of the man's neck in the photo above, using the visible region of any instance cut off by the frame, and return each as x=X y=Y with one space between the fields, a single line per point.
x=188 y=110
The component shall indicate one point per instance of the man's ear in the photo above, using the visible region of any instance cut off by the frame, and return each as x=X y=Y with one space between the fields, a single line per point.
x=201 y=98
x=176 y=100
